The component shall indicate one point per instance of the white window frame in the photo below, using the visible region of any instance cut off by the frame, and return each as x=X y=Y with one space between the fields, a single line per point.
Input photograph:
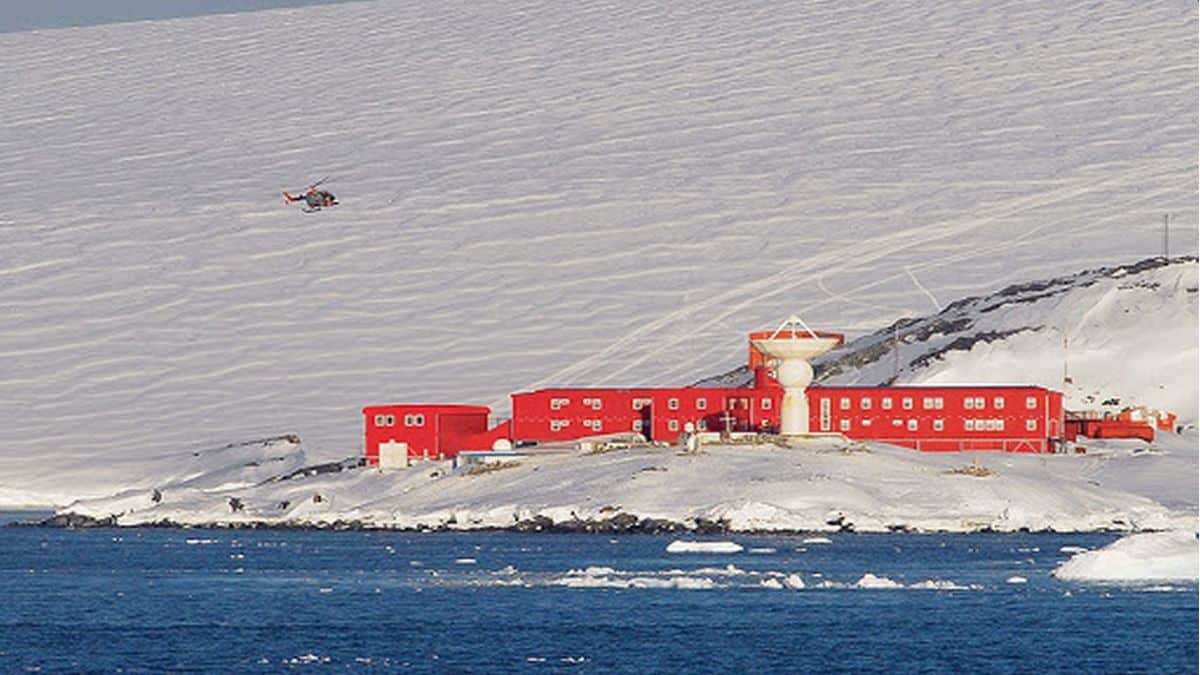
x=672 y=425
x=980 y=403
x=939 y=425
x=637 y=425
x=906 y=403
x=887 y=403
x=998 y=403
x=844 y=404
x=865 y=403
x=912 y=425
x=1031 y=424
x=418 y=420
x=824 y=406
x=969 y=403
x=558 y=403
x=672 y=404
x=701 y=404
x=1031 y=403
x=844 y=425
x=1000 y=425
x=640 y=403
x=766 y=404
x=969 y=424
x=379 y=420
x=927 y=403
x=702 y=424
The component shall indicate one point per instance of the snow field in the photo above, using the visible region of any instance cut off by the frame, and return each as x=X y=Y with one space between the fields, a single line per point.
x=536 y=193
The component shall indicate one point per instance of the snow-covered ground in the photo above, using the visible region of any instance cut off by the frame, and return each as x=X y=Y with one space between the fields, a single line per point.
x=1153 y=556
x=742 y=488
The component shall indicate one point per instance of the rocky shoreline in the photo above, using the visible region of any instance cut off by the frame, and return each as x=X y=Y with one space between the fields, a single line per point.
x=622 y=523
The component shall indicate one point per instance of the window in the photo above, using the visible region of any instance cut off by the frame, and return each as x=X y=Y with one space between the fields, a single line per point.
x=979 y=403
x=927 y=403
x=939 y=403
x=1030 y=425
x=702 y=425
x=825 y=414
x=887 y=403
x=766 y=404
x=673 y=425
x=593 y=403
x=673 y=404
x=906 y=403
x=379 y=420
x=418 y=420
x=1031 y=403
x=912 y=425
x=939 y=425
x=408 y=420
x=701 y=404
x=597 y=425
x=558 y=403
x=969 y=425
x=999 y=425
x=639 y=403
x=555 y=425
x=998 y=403
x=844 y=404
x=390 y=420
x=989 y=425
x=587 y=423
x=637 y=425
x=844 y=425
x=897 y=423
x=865 y=403
x=969 y=403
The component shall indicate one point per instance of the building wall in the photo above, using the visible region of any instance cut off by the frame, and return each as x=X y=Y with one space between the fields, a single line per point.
x=1012 y=419
x=431 y=431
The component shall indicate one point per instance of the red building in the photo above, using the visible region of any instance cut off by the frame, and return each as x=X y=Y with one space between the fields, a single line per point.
x=429 y=431
x=929 y=418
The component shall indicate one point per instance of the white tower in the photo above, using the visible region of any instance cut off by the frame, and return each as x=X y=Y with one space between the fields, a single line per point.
x=793 y=351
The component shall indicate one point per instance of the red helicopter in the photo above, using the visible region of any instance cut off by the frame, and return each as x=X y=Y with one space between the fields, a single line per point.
x=314 y=199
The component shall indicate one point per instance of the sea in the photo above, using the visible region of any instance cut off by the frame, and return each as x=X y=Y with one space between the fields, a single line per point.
x=231 y=601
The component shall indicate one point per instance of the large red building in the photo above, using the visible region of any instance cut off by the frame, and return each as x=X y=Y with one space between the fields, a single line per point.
x=926 y=418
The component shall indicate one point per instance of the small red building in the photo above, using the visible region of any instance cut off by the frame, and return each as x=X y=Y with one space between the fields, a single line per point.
x=424 y=431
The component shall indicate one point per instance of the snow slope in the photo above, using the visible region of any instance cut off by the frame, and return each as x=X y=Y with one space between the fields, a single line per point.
x=538 y=192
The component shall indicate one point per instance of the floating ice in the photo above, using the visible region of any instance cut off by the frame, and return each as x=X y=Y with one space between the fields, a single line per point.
x=817 y=540
x=869 y=580
x=1016 y=580
x=465 y=561
x=681 y=546
x=1152 y=556
x=793 y=581
x=773 y=584
x=763 y=550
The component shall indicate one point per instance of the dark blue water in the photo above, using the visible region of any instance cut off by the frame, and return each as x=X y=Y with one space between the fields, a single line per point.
x=262 y=601
x=20 y=15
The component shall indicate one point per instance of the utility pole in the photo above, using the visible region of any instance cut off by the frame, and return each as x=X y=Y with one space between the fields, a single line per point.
x=1166 y=236
x=895 y=353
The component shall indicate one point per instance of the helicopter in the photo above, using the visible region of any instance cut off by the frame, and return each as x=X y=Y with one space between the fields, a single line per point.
x=314 y=199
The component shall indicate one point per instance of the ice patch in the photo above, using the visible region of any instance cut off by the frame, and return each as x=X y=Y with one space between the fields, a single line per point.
x=1073 y=549
x=465 y=561
x=869 y=580
x=201 y=542
x=794 y=582
x=817 y=540
x=773 y=584
x=681 y=546
x=1016 y=580
x=940 y=585
x=762 y=551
